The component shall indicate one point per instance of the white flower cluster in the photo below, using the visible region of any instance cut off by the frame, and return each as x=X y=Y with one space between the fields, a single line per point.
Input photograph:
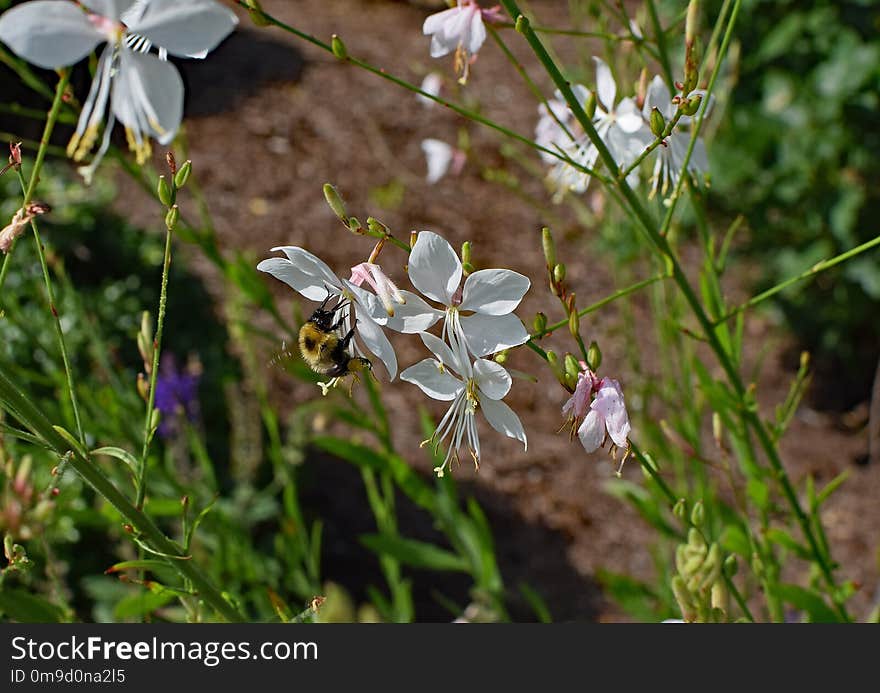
x=623 y=127
x=477 y=320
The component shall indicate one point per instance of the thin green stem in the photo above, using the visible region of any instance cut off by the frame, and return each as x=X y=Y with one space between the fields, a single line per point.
x=806 y=274
x=154 y=373
x=15 y=401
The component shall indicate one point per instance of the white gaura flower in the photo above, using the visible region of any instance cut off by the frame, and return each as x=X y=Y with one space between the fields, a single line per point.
x=479 y=316
x=432 y=84
x=459 y=29
x=144 y=93
x=671 y=155
x=470 y=386
x=313 y=279
x=619 y=125
x=557 y=126
x=442 y=158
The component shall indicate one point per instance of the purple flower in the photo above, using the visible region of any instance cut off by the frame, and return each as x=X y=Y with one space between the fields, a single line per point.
x=177 y=394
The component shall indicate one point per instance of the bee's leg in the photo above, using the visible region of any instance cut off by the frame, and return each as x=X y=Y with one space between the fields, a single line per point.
x=347 y=338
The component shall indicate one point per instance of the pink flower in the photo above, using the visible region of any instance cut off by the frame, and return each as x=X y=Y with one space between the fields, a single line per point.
x=593 y=417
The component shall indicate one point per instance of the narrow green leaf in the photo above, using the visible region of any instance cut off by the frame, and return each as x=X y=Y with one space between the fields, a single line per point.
x=414 y=553
x=808 y=601
x=783 y=538
x=24 y=607
x=119 y=454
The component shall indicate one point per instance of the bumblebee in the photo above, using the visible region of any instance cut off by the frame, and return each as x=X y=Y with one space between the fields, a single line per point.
x=324 y=349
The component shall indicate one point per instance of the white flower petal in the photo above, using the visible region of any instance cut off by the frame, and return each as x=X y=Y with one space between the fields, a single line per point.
x=377 y=343
x=148 y=95
x=413 y=316
x=610 y=406
x=434 y=268
x=606 y=88
x=488 y=334
x=185 y=28
x=435 y=22
x=432 y=84
x=321 y=276
x=658 y=97
x=49 y=33
x=434 y=382
x=504 y=420
x=629 y=118
x=492 y=378
x=476 y=34
x=442 y=351
x=592 y=431
x=112 y=9
x=439 y=157
x=494 y=291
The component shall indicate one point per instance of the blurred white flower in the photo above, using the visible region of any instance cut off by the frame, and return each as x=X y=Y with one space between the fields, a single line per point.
x=144 y=92
x=478 y=316
x=671 y=155
x=459 y=29
x=442 y=158
x=310 y=276
x=432 y=84
x=470 y=386
x=620 y=126
x=557 y=127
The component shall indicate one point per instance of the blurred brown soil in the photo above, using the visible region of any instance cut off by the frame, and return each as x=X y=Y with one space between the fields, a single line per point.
x=274 y=118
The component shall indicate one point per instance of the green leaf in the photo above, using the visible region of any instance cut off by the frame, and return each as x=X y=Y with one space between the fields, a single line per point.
x=119 y=454
x=735 y=540
x=415 y=553
x=144 y=564
x=24 y=607
x=832 y=486
x=539 y=606
x=783 y=538
x=635 y=597
x=140 y=603
x=808 y=601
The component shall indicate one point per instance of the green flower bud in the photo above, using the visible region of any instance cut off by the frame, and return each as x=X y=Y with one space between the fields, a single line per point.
x=466 y=252
x=377 y=227
x=164 y=192
x=658 y=122
x=594 y=356
x=698 y=513
x=539 y=324
x=731 y=566
x=574 y=324
x=572 y=367
x=501 y=357
x=590 y=106
x=183 y=173
x=339 y=49
x=684 y=598
x=522 y=24
x=354 y=225
x=717 y=429
x=467 y=268
x=335 y=201
x=172 y=217
x=692 y=105
x=549 y=247
x=690 y=25
x=154 y=420
x=559 y=273
x=680 y=509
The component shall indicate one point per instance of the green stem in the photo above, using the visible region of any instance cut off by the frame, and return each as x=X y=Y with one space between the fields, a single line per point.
x=154 y=373
x=814 y=270
x=662 y=246
x=23 y=409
